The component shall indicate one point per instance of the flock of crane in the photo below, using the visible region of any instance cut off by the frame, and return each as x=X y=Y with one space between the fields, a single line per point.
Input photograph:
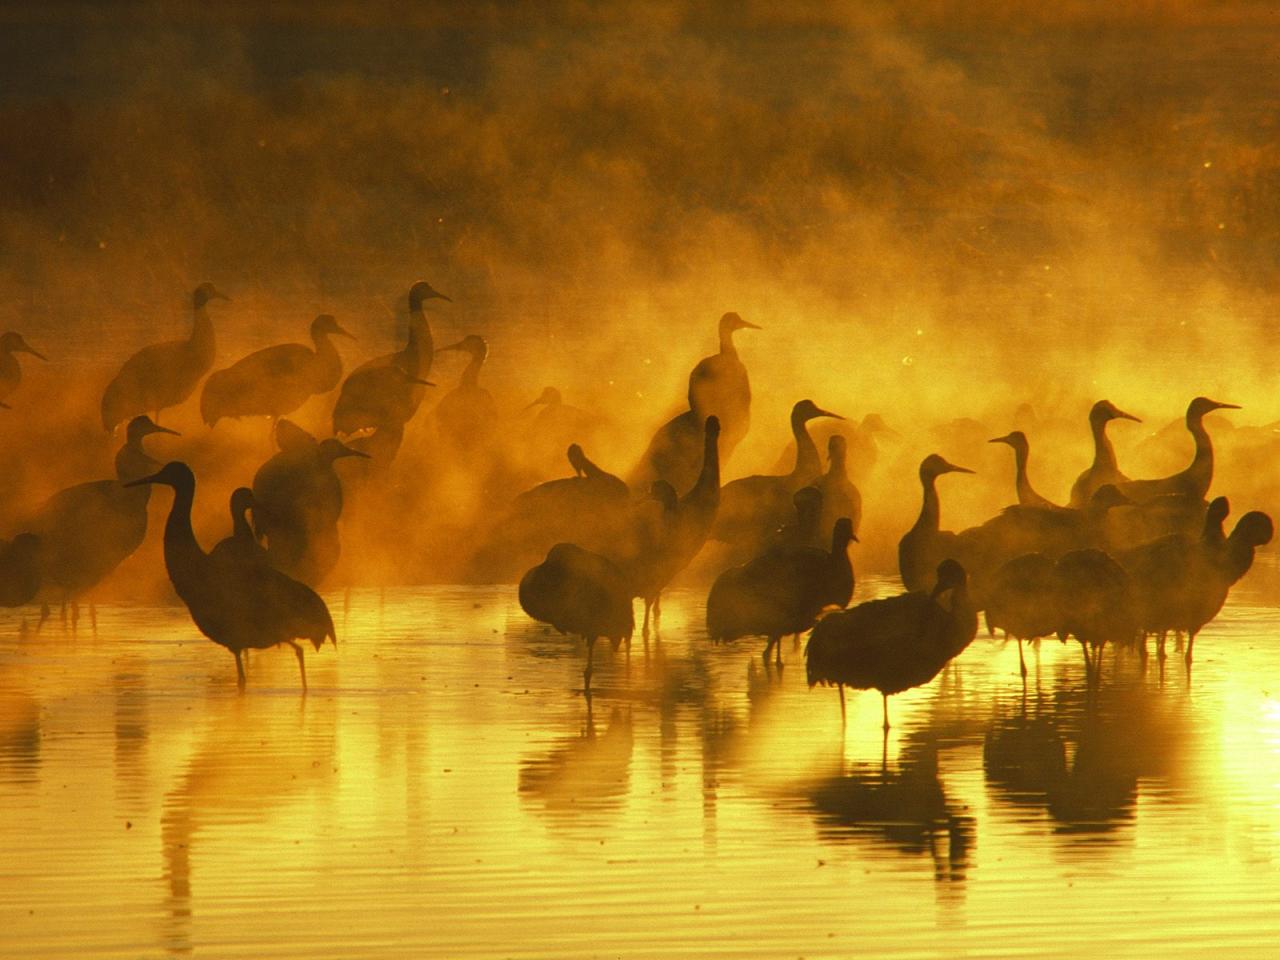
x=1123 y=559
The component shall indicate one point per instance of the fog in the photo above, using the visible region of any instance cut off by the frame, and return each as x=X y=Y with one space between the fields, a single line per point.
x=935 y=212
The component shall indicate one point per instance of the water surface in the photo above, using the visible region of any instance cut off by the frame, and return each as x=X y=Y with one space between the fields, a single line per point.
x=445 y=790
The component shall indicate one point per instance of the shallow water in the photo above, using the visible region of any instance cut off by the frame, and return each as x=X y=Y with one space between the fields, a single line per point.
x=445 y=791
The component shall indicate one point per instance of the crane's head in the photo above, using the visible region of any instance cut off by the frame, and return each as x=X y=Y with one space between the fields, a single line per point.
x=577 y=459
x=807 y=410
x=144 y=426
x=1254 y=528
x=837 y=448
x=549 y=395
x=12 y=342
x=665 y=494
x=206 y=292
x=842 y=534
x=874 y=424
x=1200 y=406
x=421 y=291
x=334 y=449
x=935 y=466
x=951 y=576
x=807 y=500
x=475 y=345
x=174 y=474
x=1107 y=496
x=241 y=502
x=1017 y=439
x=712 y=428
x=326 y=324
x=1219 y=508
x=1105 y=410
x=731 y=322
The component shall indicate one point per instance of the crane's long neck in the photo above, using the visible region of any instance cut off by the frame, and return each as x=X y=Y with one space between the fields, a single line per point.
x=471 y=375
x=202 y=341
x=330 y=363
x=930 y=508
x=183 y=556
x=838 y=467
x=1201 y=469
x=419 y=353
x=727 y=348
x=1212 y=535
x=1104 y=455
x=707 y=488
x=1021 y=454
x=132 y=463
x=807 y=463
x=1239 y=558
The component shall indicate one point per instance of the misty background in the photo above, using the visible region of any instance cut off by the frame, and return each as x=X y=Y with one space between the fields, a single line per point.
x=934 y=210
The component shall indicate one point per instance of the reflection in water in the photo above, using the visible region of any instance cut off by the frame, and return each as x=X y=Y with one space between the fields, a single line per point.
x=445 y=759
x=1079 y=753
x=253 y=761
x=583 y=775
x=905 y=807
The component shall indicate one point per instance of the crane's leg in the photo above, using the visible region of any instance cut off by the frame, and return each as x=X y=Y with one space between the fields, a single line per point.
x=239 y=670
x=657 y=615
x=75 y=615
x=767 y=647
x=586 y=674
x=644 y=628
x=44 y=615
x=1191 y=642
x=93 y=617
x=843 y=716
x=302 y=669
x=777 y=652
x=884 y=703
x=1022 y=664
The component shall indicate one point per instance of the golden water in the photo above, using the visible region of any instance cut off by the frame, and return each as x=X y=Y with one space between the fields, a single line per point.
x=445 y=791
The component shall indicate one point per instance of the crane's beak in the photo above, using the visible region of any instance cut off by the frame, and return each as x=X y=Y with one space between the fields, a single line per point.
x=748 y=325
x=452 y=346
x=1007 y=438
x=349 y=452
x=153 y=478
x=952 y=468
x=156 y=428
x=828 y=413
x=340 y=331
x=1225 y=406
x=25 y=348
x=1121 y=415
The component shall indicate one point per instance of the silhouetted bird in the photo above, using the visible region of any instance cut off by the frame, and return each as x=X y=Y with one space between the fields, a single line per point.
x=466 y=415
x=91 y=528
x=924 y=546
x=840 y=498
x=579 y=592
x=10 y=371
x=1103 y=469
x=1017 y=530
x=806 y=528
x=718 y=386
x=164 y=374
x=19 y=570
x=1027 y=495
x=752 y=507
x=781 y=592
x=894 y=643
x=236 y=604
x=651 y=564
x=276 y=380
x=1096 y=603
x=1194 y=481
x=557 y=425
x=242 y=546
x=1181 y=583
x=297 y=504
x=387 y=389
x=1022 y=600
